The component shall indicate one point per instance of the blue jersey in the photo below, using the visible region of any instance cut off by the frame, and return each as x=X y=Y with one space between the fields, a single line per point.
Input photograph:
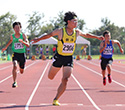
x=108 y=51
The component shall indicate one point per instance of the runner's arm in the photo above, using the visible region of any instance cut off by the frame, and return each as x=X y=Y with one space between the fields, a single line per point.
x=119 y=45
x=102 y=47
x=89 y=35
x=54 y=33
x=10 y=41
x=25 y=42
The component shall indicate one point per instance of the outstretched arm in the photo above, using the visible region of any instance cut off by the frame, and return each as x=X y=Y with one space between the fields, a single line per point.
x=90 y=35
x=46 y=36
x=10 y=41
x=119 y=45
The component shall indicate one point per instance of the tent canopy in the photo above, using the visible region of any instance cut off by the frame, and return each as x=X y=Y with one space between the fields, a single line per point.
x=81 y=40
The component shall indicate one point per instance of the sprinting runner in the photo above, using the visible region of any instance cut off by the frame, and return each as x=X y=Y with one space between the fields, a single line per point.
x=66 y=46
x=106 y=50
x=19 y=42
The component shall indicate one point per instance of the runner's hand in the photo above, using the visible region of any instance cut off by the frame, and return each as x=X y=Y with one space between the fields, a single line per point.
x=20 y=40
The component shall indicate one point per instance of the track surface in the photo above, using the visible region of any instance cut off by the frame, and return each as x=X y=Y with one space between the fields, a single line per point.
x=85 y=90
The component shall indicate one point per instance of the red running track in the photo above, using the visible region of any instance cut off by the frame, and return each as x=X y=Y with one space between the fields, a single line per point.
x=85 y=90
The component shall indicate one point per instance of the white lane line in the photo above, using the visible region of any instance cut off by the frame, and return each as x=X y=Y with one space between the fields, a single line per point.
x=17 y=72
x=90 y=99
x=112 y=68
x=31 y=97
x=99 y=74
x=5 y=67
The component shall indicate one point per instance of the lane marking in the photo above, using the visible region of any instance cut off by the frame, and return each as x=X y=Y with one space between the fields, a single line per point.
x=17 y=72
x=90 y=99
x=114 y=105
x=99 y=66
x=5 y=67
x=31 y=97
x=99 y=74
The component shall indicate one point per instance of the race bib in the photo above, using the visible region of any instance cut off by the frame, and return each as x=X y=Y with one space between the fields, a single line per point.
x=18 y=46
x=107 y=51
x=68 y=47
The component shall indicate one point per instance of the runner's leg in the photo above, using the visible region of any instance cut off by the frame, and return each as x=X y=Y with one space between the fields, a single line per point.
x=66 y=74
x=52 y=72
x=14 y=71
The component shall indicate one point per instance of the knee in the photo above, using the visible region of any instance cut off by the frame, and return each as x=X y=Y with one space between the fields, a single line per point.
x=14 y=67
x=64 y=80
x=21 y=71
x=50 y=77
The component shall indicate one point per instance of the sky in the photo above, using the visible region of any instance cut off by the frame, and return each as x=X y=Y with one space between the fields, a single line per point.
x=91 y=11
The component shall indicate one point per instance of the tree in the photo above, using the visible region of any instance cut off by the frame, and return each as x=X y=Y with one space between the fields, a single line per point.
x=34 y=24
x=6 y=29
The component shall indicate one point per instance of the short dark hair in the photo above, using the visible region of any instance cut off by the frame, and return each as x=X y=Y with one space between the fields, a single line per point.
x=68 y=16
x=17 y=23
x=106 y=32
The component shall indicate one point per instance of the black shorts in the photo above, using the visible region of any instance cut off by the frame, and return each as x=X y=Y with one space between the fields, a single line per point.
x=59 y=60
x=20 y=58
x=105 y=61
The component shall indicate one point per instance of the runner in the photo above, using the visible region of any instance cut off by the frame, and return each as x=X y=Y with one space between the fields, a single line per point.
x=66 y=46
x=106 y=50
x=83 y=50
x=54 y=50
x=19 y=42
x=47 y=52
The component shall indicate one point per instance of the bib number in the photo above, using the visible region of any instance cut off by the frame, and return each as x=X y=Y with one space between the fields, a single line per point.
x=68 y=48
x=108 y=51
x=18 y=46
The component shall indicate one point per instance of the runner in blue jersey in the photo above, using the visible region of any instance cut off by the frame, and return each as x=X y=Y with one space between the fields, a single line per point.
x=106 y=50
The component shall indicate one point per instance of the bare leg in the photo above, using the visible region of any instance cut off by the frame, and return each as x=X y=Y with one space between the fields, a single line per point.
x=52 y=72
x=109 y=68
x=21 y=70
x=66 y=74
x=14 y=71
x=103 y=73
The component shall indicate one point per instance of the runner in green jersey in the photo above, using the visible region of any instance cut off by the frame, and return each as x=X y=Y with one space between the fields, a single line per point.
x=19 y=42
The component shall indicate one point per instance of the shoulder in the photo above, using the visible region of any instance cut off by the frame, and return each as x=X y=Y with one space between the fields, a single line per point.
x=55 y=32
x=79 y=32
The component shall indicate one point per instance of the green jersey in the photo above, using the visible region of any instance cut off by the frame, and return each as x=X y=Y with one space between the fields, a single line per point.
x=17 y=46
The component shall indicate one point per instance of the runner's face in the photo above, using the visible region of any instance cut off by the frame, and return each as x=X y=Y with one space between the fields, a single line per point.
x=17 y=28
x=107 y=37
x=74 y=22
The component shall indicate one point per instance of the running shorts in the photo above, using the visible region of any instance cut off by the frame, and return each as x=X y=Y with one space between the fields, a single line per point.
x=105 y=62
x=59 y=60
x=20 y=58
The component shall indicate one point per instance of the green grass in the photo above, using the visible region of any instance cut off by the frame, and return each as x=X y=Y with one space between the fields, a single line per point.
x=3 y=61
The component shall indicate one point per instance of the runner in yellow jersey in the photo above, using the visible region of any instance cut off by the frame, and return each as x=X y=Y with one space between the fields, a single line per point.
x=67 y=37
x=19 y=42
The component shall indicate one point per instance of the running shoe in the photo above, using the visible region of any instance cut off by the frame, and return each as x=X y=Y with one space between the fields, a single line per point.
x=56 y=102
x=14 y=84
x=104 y=81
x=109 y=78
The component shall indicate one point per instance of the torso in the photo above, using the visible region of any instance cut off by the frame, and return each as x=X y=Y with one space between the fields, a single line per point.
x=108 y=51
x=67 y=43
